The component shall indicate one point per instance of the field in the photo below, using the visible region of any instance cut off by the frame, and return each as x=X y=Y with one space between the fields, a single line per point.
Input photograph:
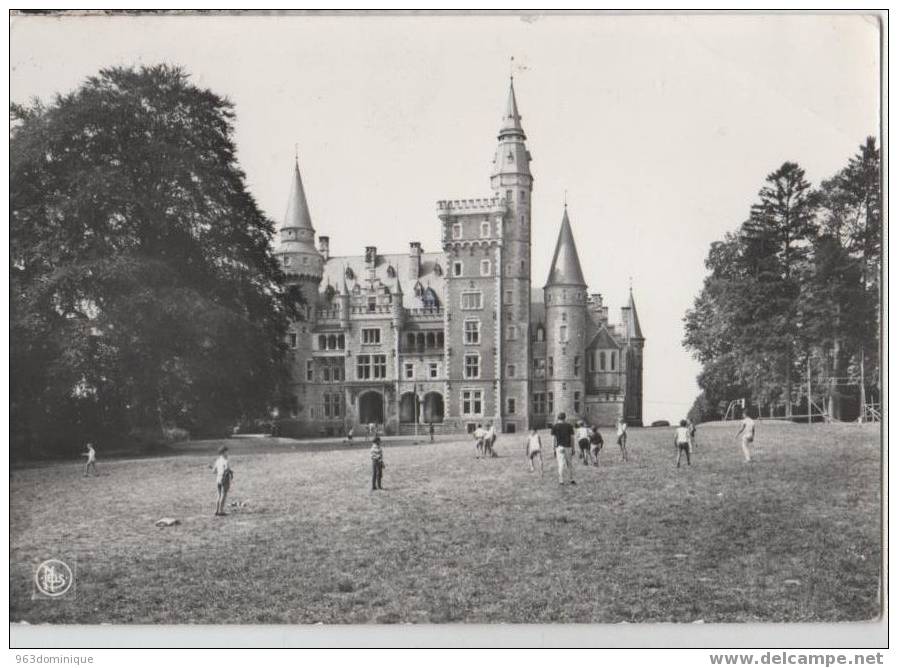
x=795 y=536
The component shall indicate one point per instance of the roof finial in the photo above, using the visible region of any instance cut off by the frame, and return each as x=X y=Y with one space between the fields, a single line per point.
x=565 y=198
x=631 y=284
x=296 y=152
x=511 y=68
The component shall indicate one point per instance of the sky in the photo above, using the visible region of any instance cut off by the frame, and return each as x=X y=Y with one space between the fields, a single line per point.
x=661 y=128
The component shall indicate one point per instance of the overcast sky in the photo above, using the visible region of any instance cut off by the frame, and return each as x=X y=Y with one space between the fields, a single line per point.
x=660 y=128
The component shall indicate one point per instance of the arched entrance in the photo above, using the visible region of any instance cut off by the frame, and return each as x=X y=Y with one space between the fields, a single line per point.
x=407 y=407
x=433 y=407
x=371 y=407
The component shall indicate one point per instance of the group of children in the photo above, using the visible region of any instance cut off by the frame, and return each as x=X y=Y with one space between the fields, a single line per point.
x=484 y=440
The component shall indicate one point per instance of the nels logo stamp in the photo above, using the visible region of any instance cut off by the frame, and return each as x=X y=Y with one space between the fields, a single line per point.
x=53 y=578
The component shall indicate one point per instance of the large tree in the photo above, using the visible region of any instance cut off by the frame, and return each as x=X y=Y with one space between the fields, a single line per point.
x=144 y=292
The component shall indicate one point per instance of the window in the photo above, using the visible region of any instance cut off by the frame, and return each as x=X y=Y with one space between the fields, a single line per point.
x=512 y=333
x=471 y=301
x=550 y=402
x=380 y=366
x=511 y=428
x=310 y=371
x=508 y=194
x=511 y=406
x=509 y=296
x=577 y=402
x=472 y=366
x=337 y=369
x=472 y=332
x=540 y=334
x=288 y=261
x=484 y=229
x=591 y=362
x=539 y=403
x=564 y=317
x=363 y=367
x=523 y=195
x=562 y=333
x=550 y=366
x=456 y=268
x=372 y=304
x=509 y=371
x=577 y=366
x=456 y=231
x=602 y=361
x=292 y=338
x=409 y=370
x=472 y=402
x=433 y=369
x=326 y=371
x=485 y=267
x=613 y=360
x=371 y=335
x=332 y=405
x=539 y=367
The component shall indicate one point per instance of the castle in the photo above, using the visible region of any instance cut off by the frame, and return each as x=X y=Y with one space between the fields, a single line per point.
x=455 y=337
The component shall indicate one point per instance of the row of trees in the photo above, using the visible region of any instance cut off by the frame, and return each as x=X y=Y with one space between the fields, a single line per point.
x=144 y=293
x=797 y=287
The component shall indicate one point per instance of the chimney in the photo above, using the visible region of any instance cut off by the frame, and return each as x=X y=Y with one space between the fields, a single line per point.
x=414 y=256
x=371 y=256
x=625 y=321
x=595 y=302
x=324 y=247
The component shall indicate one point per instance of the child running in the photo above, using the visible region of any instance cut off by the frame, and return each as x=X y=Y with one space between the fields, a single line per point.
x=683 y=442
x=583 y=441
x=91 y=466
x=223 y=476
x=533 y=447
x=377 y=465
x=596 y=443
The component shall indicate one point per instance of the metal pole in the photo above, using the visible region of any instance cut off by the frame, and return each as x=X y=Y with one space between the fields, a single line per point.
x=809 y=389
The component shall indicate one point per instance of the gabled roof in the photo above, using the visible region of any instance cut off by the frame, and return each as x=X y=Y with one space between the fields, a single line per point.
x=565 y=262
x=602 y=339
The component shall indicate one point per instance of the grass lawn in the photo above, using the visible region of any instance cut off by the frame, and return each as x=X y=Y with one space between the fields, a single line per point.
x=793 y=537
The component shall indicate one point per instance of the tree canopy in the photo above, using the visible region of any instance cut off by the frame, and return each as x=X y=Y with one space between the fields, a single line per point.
x=144 y=293
x=796 y=287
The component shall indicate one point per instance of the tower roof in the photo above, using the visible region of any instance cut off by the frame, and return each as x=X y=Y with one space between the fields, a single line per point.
x=565 y=262
x=297 y=215
x=511 y=121
x=633 y=325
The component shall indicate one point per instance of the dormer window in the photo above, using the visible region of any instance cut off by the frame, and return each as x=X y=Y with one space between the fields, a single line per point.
x=349 y=273
x=391 y=272
x=438 y=269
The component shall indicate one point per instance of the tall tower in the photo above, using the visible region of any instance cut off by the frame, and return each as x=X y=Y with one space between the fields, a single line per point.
x=635 y=346
x=565 y=298
x=304 y=267
x=511 y=180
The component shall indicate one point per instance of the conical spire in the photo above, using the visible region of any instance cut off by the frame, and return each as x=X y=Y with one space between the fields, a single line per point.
x=633 y=326
x=565 y=262
x=511 y=121
x=297 y=215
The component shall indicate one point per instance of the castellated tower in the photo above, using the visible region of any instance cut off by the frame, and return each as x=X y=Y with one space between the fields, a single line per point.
x=304 y=267
x=511 y=180
x=566 y=329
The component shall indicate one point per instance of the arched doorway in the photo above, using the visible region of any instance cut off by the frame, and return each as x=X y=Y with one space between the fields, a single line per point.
x=371 y=408
x=407 y=407
x=433 y=407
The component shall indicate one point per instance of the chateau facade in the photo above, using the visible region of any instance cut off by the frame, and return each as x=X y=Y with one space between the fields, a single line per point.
x=455 y=337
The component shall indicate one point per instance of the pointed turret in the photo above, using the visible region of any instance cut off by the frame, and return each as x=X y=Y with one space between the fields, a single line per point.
x=296 y=232
x=633 y=328
x=565 y=262
x=511 y=121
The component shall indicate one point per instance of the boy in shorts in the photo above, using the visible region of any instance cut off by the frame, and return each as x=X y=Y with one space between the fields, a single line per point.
x=223 y=476
x=583 y=442
x=596 y=443
x=622 y=437
x=533 y=448
x=91 y=466
x=683 y=442
x=747 y=430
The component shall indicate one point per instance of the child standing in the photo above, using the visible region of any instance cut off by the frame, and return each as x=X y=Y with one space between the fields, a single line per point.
x=479 y=438
x=223 y=476
x=747 y=431
x=683 y=442
x=534 y=450
x=377 y=464
x=622 y=437
x=91 y=454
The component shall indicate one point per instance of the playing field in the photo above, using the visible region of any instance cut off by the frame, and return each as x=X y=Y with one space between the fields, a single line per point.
x=793 y=537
